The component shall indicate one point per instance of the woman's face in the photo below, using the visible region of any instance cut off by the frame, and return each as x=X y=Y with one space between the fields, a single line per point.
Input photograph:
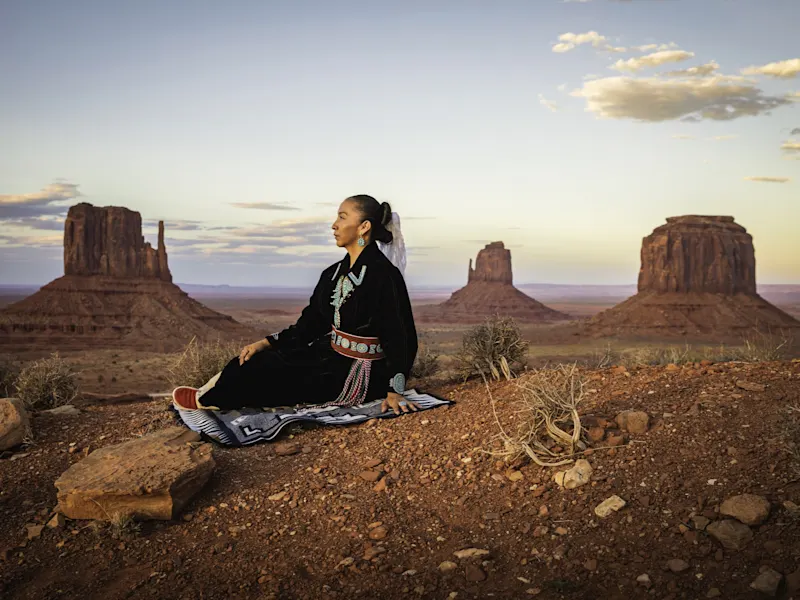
x=349 y=224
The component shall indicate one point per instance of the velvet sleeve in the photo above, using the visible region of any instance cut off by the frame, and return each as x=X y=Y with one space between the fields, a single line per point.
x=396 y=331
x=311 y=324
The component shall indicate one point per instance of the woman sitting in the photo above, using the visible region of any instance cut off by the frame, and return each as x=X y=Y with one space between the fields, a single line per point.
x=354 y=342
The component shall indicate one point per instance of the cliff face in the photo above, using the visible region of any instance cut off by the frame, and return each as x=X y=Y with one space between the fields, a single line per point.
x=697 y=276
x=698 y=254
x=492 y=264
x=108 y=241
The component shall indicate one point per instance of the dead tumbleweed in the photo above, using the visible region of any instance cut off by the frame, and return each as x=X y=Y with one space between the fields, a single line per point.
x=494 y=347
x=548 y=427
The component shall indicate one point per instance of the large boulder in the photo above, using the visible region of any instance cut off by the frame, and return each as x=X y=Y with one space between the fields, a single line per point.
x=152 y=477
x=14 y=423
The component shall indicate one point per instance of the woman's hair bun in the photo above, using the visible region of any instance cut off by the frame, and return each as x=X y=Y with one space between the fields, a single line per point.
x=386 y=216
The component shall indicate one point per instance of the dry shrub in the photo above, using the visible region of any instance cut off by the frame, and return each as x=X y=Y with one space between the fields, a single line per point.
x=604 y=357
x=494 y=346
x=46 y=383
x=9 y=371
x=426 y=364
x=200 y=361
x=761 y=346
x=548 y=427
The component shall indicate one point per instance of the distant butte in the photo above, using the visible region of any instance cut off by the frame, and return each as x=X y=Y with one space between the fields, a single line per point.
x=116 y=291
x=490 y=290
x=697 y=276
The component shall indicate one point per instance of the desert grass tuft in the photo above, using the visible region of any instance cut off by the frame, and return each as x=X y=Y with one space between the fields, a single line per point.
x=46 y=383
x=493 y=348
x=200 y=361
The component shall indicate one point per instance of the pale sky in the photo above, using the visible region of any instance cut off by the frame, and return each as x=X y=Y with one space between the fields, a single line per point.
x=567 y=129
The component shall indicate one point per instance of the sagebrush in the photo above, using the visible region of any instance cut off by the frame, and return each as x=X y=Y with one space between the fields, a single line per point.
x=487 y=346
x=426 y=364
x=762 y=346
x=547 y=427
x=46 y=383
x=200 y=361
x=9 y=371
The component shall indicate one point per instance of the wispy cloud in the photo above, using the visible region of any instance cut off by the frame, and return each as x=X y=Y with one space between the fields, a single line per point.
x=569 y=41
x=768 y=179
x=683 y=136
x=549 y=104
x=791 y=148
x=263 y=206
x=655 y=59
x=44 y=202
x=784 y=69
x=723 y=138
x=700 y=71
x=655 y=99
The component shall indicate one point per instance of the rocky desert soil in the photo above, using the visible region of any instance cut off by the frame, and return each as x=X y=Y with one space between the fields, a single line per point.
x=707 y=486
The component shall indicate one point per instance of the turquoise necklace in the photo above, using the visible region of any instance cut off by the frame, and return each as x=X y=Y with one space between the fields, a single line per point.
x=341 y=292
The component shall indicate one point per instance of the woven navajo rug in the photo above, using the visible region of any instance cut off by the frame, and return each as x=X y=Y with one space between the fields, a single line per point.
x=250 y=425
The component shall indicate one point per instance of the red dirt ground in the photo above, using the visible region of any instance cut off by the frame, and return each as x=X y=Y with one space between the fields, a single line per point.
x=708 y=440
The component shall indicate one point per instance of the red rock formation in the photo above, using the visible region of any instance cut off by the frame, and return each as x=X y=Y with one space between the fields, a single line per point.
x=697 y=276
x=489 y=291
x=698 y=254
x=117 y=291
x=108 y=241
x=493 y=264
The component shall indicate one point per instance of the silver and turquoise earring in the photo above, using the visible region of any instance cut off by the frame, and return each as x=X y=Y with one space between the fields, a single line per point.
x=361 y=241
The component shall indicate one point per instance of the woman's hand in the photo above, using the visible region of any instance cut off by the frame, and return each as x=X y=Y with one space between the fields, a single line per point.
x=249 y=351
x=397 y=403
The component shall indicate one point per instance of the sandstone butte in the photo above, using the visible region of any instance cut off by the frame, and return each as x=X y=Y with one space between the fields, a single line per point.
x=116 y=291
x=490 y=290
x=697 y=276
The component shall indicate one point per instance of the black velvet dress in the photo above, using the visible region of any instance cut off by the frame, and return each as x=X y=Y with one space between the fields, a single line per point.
x=301 y=367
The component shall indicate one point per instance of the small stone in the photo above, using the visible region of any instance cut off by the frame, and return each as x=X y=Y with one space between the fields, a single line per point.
x=64 y=410
x=514 y=475
x=644 y=579
x=34 y=531
x=447 y=566
x=700 y=522
x=747 y=508
x=380 y=486
x=378 y=533
x=470 y=553
x=677 y=565
x=275 y=497
x=561 y=531
x=633 y=421
x=750 y=386
x=713 y=593
x=615 y=440
x=540 y=530
x=580 y=474
x=590 y=565
x=372 y=463
x=57 y=521
x=474 y=573
x=732 y=534
x=768 y=582
x=793 y=582
x=287 y=448
x=370 y=475
x=533 y=591
x=609 y=505
x=596 y=434
x=14 y=423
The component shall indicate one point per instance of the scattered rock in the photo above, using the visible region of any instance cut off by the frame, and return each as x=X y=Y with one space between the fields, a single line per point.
x=768 y=582
x=747 y=508
x=14 y=423
x=57 y=521
x=380 y=486
x=590 y=565
x=713 y=593
x=470 y=553
x=378 y=533
x=609 y=505
x=287 y=448
x=596 y=434
x=34 y=531
x=514 y=475
x=370 y=475
x=580 y=474
x=750 y=386
x=65 y=410
x=152 y=477
x=633 y=421
x=474 y=573
x=447 y=566
x=732 y=534
x=700 y=522
x=615 y=440
x=793 y=582
x=677 y=565
x=644 y=579
x=372 y=463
